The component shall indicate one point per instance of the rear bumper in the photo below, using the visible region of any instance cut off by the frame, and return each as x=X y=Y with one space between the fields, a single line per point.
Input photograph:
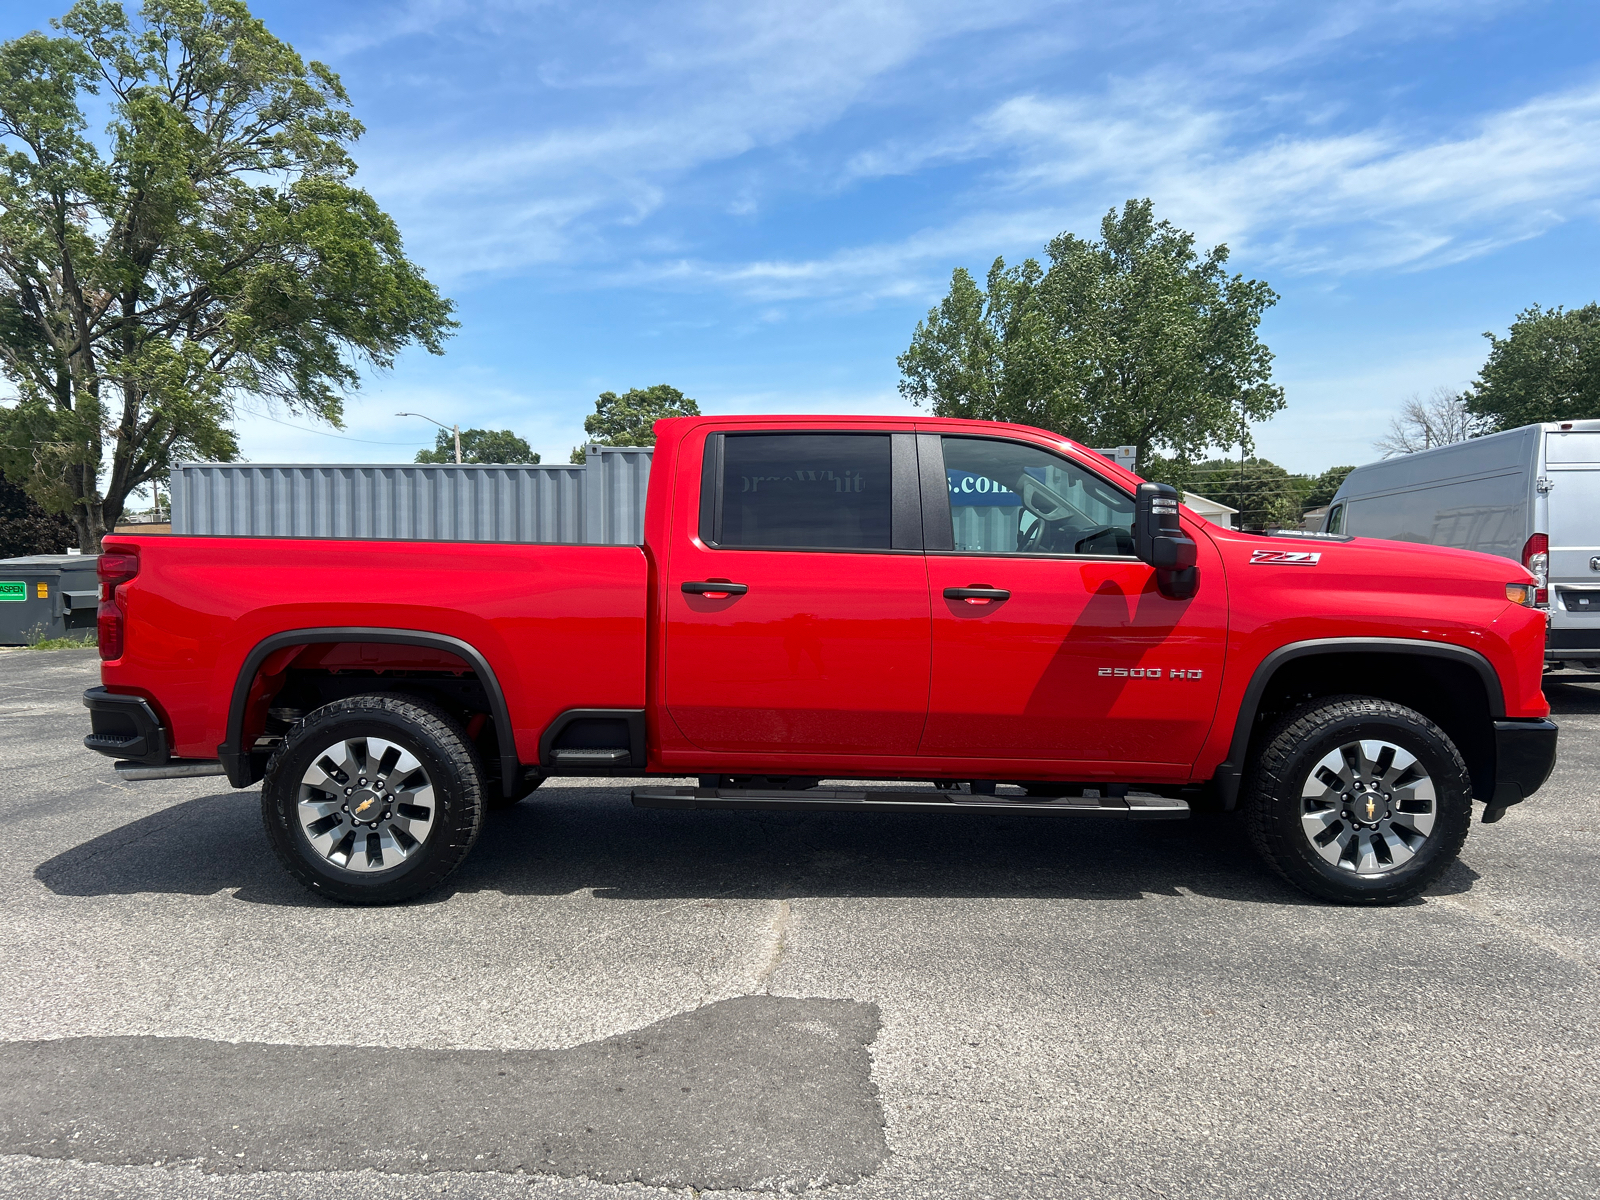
x=125 y=727
x=1525 y=754
x=1576 y=644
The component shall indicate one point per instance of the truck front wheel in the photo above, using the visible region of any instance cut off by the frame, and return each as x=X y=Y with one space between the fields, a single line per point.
x=1358 y=800
x=374 y=799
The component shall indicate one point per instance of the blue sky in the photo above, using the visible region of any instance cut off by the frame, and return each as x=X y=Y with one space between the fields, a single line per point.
x=756 y=203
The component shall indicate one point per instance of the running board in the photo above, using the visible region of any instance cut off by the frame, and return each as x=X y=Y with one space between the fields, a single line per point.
x=177 y=769
x=604 y=756
x=1138 y=808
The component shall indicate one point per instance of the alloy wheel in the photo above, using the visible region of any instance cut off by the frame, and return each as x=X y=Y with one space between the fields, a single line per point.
x=1368 y=806
x=366 y=805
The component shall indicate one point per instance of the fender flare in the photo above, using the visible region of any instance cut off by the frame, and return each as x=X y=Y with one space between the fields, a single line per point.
x=1230 y=772
x=236 y=758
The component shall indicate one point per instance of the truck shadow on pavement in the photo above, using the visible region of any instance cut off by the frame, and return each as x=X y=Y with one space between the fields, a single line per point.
x=566 y=839
x=1572 y=695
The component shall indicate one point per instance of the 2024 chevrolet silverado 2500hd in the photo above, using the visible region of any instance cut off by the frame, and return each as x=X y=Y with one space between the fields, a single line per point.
x=958 y=604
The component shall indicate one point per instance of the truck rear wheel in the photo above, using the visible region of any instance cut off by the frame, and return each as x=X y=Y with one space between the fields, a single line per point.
x=374 y=799
x=1358 y=800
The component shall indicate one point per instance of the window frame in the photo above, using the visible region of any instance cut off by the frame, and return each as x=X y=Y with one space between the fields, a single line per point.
x=905 y=499
x=943 y=520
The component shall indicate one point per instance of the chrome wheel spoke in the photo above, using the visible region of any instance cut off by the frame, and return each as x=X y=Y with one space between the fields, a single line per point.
x=366 y=805
x=1367 y=806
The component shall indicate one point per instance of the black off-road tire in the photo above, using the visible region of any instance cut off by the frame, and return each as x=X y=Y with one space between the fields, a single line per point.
x=442 y=748
x=1272 y=805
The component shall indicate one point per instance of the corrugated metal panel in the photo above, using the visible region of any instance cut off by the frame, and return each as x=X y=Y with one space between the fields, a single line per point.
x=600 y=502
x=617 y=480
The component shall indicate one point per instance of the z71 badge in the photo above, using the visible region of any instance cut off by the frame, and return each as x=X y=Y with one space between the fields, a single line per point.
x=1286 y=558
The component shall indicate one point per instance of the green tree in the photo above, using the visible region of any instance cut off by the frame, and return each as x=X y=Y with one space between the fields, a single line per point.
x=1265 y=494
x=1546 y=368
x=1134 y=339
x=26 y=528
x=479 y=446
x=1324 y=487
x=627 y=420
x=210 y=248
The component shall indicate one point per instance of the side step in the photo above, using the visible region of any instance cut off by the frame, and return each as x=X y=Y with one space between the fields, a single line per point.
x=1138 y=808
x=609 y=756
x=176 y=769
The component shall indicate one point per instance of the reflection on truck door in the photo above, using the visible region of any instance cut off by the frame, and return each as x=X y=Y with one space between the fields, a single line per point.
x=827 y=650
x=1084 y=661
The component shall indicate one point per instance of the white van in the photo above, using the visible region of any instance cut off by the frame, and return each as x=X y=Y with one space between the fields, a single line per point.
x=1530 y=494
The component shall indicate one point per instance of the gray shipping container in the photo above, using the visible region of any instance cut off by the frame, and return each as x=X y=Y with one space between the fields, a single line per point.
x=600 y=502
x=47 y=596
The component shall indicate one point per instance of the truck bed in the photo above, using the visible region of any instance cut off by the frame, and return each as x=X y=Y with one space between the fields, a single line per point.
x=562 y=627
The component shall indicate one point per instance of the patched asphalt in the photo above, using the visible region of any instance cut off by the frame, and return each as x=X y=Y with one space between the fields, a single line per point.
x=753 y=1091
x=993 y=1005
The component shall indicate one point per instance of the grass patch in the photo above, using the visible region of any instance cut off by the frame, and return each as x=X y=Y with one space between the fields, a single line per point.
x=65 y=643
x=37 y=641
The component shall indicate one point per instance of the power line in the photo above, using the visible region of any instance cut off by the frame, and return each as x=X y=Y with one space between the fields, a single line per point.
x=324 y=433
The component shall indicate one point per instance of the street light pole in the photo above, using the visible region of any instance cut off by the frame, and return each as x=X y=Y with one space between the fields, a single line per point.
x=454 y=429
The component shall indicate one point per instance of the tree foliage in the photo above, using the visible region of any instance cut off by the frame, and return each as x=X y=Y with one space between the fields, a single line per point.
x=1322 y=488
x=628 y=419
x=1441 y=420
x=1135 y=339
x=1546 y=368
x=26 y=528
x=1265 y=494
x=479 y=446
x=210 y=247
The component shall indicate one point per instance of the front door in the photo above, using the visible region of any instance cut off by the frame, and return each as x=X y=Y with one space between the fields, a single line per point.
x=1050 y=640
x=819 y=645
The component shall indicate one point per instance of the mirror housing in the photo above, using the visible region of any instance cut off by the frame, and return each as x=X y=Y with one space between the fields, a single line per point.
x=1159 y=540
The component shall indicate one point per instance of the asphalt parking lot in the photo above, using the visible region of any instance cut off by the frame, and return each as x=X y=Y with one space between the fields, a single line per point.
x=613 y=1002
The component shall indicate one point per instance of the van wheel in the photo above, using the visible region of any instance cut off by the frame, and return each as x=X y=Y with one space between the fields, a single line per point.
x=374 y=799
x=1358 y=800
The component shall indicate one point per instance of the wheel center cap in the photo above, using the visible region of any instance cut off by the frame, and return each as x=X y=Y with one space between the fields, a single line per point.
x=364 y=806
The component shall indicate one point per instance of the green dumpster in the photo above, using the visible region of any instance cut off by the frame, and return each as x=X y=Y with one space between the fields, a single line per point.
x=47 y=596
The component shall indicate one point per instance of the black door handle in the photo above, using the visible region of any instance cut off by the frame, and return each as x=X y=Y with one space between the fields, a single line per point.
x=977 y=594
x=715 y=589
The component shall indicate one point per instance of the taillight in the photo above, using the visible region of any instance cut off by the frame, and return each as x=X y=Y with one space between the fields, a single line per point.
x=1536 y=557
x=114 y=569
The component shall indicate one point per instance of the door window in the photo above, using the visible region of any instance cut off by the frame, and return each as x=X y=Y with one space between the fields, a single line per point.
x=1011 y=498
x=1335 y=522
x=818 y=491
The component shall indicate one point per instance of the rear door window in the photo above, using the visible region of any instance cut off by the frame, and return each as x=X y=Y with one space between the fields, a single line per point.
x=815 y=491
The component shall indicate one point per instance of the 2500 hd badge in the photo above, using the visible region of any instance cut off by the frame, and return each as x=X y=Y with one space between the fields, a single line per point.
x=1149 y=673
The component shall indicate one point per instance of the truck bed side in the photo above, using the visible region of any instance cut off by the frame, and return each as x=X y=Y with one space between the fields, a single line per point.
x=560 y=627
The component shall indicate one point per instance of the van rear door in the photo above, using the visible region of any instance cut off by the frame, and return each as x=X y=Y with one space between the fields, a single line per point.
x=1572 y=468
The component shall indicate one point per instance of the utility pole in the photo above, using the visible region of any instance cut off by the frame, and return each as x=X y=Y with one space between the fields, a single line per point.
x=454 y=429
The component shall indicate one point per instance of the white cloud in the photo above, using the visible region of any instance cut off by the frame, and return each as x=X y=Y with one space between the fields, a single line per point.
x=1364 y=200
x=675 y=89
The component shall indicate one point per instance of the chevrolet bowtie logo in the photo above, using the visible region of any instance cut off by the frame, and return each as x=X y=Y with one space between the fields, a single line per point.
x=369 y=802
x=1372 y=809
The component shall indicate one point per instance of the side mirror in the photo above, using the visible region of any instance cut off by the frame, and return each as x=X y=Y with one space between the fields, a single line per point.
x=1159 y=540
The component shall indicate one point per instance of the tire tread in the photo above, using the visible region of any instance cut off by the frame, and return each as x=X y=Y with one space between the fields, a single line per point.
x=1270 y=772
x=450 y=742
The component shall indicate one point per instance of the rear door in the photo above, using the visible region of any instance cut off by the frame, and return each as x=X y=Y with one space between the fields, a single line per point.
x=819 y=642
x=1050 y=640
x=1572 y=468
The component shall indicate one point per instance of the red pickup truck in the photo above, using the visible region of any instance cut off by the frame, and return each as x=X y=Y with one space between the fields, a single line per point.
x=967 y=616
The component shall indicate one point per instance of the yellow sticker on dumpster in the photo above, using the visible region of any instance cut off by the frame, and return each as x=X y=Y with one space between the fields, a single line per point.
x=44 y=591
x=13 y=589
